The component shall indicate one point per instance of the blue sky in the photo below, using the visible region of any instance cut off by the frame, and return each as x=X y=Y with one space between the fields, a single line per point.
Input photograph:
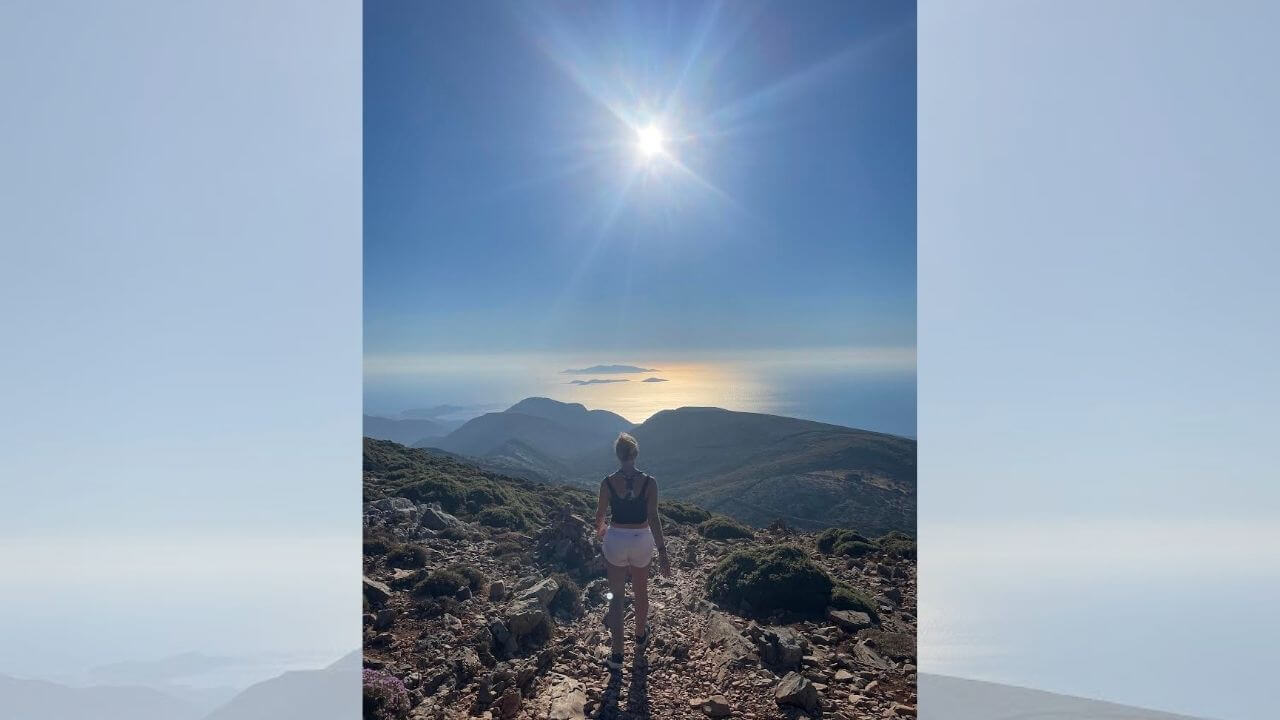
x=507 y=208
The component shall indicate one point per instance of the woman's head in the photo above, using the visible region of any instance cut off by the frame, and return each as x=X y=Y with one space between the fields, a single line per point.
x=626 y=448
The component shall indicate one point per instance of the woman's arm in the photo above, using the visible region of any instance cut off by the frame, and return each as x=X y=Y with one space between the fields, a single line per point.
x=601 y=504
x=655 y=524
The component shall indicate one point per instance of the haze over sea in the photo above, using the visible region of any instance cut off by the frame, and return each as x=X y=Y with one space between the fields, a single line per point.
x=872 y=389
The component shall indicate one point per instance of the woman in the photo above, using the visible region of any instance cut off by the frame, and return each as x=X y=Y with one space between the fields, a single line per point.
x=634 y=530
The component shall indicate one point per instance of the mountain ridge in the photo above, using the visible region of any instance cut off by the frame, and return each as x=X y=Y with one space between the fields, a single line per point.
x=754 y=467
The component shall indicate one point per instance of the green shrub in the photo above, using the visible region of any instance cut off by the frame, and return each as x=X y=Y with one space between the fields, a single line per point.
x=501 y=517
x=898 y=544
x=376 y=545
x=446 y=491
x=854 y=548
x=722 y=528
x=779 y=578
x=480 y=498
x=844 y=597
x=509 y=547
x=455 y=532
x=441 y=583
x=568 y=597
x=475 y=578
x=832 y=537
x=679 y=512
x=407 y=556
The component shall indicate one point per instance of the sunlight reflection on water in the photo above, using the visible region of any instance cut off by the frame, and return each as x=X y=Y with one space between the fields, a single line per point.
x=872 y=389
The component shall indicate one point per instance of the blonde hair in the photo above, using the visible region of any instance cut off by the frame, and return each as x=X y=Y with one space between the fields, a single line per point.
x=626 y=448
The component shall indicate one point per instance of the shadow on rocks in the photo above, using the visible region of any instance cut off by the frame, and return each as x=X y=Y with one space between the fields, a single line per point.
x=637 y=707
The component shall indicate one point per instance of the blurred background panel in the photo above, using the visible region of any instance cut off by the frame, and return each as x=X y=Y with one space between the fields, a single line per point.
x=1098 y=334
x=180 y=292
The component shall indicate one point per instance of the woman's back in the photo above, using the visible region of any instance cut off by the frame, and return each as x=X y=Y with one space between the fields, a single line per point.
x=629 y=504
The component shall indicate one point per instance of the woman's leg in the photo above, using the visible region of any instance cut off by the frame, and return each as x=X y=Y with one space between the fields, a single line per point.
x=640 y=586
x=617 y=582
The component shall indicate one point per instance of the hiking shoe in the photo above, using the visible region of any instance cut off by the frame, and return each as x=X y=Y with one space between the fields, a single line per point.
x=614 y=661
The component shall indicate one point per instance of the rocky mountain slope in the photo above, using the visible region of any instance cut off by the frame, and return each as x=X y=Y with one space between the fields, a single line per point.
x=484 y=597
x=553 y=429
x=574 y=416
x=758 y=467
x=751 y=466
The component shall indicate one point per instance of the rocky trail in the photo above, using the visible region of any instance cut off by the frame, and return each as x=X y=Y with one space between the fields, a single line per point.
x=464 y=620
x=485 y=597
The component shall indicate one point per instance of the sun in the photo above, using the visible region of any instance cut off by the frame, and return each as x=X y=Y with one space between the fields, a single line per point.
x=650 y=141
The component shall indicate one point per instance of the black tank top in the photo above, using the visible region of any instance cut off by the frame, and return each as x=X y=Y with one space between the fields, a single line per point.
x=629 y=510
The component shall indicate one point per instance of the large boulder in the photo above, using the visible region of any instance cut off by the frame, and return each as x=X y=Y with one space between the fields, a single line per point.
x=780 y=647
x=726 y=645
x=542 y=592
x=570 y=542
x=437 y=519
x=866 y=656
x=796 y=690
x=563 y=699
x=394 y=514
x=504 y=642
x=376 y=592
x=528 y=622
x=399 y=505
x=851 y=621
x=716 y=706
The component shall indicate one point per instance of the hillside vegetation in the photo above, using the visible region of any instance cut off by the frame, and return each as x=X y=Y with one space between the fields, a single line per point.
x=750 y=466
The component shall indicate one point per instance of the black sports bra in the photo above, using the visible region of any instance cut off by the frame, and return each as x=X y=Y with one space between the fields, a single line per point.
x=629 y=510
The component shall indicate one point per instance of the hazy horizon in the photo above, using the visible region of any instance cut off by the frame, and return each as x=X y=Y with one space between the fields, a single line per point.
x=869 y=390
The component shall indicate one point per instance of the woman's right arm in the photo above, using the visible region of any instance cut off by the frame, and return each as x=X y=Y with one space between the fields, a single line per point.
x=601 y=504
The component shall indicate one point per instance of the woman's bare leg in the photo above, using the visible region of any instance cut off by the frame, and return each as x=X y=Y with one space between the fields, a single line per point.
x=640 y=586
x=617 y=576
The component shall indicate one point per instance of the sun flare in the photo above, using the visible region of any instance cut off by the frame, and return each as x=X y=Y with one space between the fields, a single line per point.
x=650 y=141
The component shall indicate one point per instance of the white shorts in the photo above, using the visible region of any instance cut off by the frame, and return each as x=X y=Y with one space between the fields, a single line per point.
x=628 y=547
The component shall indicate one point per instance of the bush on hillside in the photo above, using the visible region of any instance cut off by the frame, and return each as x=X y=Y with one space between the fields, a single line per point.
x=374 y=545
x=509 y=547
x=832 y=537
x=480 y=498
x=475 y=579
x=722 y=528
x=457 y=532
x=441 y=583
x=844 y=597
x=762 y=581
x=501 y=517
x=407 y=556
x=385 y=697
x=854 y=548
x=678 y=512
x=448 y=492
x=898 y=544
x=568 y=598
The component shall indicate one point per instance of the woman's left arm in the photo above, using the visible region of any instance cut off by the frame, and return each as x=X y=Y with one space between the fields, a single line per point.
x=655 y=524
